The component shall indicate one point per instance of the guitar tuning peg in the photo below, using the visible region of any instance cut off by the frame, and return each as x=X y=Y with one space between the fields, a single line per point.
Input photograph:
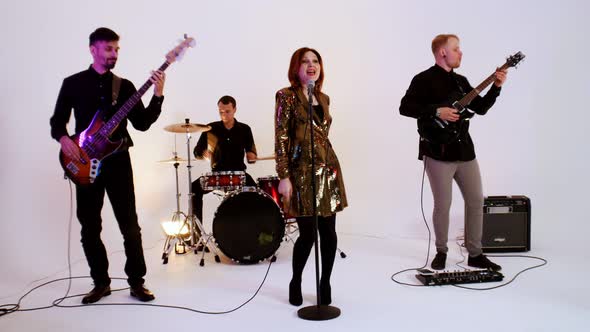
x=192 y=42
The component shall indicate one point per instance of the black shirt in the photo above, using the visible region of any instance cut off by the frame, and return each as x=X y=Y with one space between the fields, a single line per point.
x=433 y=88
x=319 y=114
x=228 y=146
x=87 y=92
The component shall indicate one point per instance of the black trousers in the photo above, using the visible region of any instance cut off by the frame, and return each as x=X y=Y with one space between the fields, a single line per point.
x=198 y=193
x=116 y=179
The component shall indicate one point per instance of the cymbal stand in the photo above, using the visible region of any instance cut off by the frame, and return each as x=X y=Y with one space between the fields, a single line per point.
x=195 y=226
x=177 y=216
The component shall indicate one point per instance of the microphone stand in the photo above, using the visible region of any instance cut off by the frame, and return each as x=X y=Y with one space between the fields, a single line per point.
x=316 y=312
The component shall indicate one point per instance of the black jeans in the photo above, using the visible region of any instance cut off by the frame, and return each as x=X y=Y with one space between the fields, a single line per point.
x=116 y=178
x=198 y=193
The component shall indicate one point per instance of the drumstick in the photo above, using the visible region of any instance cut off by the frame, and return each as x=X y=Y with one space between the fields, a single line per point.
x=271 y=157
x=211 y=144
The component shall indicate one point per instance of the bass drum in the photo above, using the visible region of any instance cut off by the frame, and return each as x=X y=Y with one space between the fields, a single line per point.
x=248 y=226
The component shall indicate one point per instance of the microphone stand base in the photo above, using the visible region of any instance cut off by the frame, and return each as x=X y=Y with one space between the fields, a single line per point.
x=318 y=312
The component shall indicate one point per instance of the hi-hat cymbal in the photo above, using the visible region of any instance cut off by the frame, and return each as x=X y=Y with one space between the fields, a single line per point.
x=174 y=160
x=187 y=128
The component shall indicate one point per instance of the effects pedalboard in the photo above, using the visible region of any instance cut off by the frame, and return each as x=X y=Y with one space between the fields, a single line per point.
x=432 y=278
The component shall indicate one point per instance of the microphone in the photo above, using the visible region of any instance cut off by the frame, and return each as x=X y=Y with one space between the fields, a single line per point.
x=310 y=88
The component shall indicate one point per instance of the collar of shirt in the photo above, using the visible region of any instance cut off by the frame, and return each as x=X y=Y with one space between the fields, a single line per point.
x=221 y=126
x=95 y=74
x=441 y=70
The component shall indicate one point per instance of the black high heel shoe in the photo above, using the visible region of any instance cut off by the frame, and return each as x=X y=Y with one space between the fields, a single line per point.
x=295 y=297
x=325 y=293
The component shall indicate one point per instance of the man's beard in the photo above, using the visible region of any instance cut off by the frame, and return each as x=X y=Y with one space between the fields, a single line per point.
x=110 y=64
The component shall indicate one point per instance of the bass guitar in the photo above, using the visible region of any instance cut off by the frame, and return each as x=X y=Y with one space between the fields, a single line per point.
x=436 y=130
x=94 y=142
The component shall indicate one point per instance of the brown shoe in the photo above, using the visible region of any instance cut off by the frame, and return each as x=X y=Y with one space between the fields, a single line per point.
x=141 y=293
x=97 y=293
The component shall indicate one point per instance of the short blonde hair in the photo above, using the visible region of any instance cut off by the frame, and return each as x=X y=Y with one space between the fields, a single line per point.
x=440 y=41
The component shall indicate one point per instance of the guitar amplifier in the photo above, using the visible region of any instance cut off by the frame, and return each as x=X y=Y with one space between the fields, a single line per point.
x=506 y=224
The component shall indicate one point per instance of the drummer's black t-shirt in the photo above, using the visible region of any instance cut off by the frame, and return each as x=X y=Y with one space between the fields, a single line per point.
x=228 y=146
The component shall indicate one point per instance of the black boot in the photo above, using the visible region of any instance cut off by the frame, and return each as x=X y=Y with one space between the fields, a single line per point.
x=325 y=292
x=439 y=261
x=328 y=246
x=301 y=251
x=482 y=262
x=295 y=297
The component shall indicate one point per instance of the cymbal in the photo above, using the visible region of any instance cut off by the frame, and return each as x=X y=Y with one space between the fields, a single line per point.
x=187 y=127
x=174 y=160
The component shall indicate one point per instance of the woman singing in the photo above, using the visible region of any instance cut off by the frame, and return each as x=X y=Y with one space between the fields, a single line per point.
x=294 y=167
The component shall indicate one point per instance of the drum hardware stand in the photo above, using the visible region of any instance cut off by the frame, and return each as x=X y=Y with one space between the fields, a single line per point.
x=290 y=228
x=192 y=220
x=318 y=311
x=176 y=240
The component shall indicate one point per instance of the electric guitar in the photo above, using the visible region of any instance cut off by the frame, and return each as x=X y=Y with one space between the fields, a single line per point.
x=436 y=130
x=94 y=142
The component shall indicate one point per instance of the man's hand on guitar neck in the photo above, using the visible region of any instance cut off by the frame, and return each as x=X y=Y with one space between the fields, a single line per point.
x=70 y=148
x=447 y=114
x=500 y=76
x=158 y=78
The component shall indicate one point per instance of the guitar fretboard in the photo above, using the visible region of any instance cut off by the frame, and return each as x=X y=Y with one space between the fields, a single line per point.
x=110 y=126
x=468 y=98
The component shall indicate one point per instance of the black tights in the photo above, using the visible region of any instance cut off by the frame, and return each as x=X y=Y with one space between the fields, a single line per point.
x=305 y=241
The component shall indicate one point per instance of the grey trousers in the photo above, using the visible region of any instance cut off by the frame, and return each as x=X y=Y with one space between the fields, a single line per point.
x=466 y=173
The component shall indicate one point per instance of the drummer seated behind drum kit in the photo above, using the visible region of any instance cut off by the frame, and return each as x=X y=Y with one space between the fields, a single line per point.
x=249 y=224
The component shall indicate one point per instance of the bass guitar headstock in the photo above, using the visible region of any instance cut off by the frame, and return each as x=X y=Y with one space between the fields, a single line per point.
x=176 y=53
x=513 y=60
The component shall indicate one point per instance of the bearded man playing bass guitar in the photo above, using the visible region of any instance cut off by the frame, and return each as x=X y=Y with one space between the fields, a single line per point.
x=429 y=97
x=85 y=93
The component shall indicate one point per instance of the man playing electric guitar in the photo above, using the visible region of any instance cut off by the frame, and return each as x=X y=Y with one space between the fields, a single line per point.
x=426 y=98
x=85 y=93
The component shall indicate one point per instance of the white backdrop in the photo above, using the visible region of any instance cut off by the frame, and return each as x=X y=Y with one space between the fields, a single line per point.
x=531 y=142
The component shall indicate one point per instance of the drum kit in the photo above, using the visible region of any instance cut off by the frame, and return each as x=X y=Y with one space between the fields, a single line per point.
x=249 y=224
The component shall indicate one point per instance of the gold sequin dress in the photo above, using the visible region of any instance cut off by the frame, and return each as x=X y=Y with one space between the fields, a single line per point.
x=293 y=154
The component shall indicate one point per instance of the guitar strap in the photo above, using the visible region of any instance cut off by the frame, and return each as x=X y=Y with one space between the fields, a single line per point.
x=116 y=88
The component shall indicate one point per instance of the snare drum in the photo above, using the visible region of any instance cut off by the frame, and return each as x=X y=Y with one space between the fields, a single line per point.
x=270 y=185
x=248 y=225
x=226 y=181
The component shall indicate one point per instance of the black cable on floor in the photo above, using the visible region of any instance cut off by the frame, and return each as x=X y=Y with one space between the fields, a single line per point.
x=544 y=262
x=429 y=235
x=16 y=307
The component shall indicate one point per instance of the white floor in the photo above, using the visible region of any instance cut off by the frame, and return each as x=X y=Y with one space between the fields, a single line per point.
x=549 y=298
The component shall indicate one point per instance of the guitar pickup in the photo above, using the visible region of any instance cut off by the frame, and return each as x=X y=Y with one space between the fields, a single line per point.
x=460 y=108
x=73 y=168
